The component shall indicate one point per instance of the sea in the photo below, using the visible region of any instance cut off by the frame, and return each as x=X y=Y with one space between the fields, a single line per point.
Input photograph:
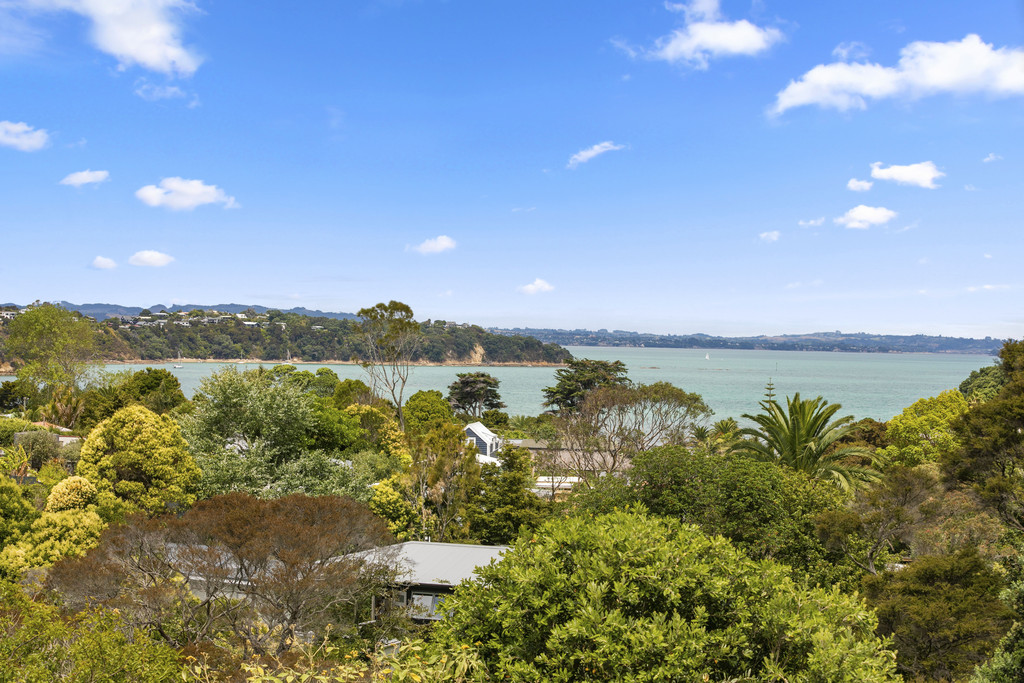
x=731 y=381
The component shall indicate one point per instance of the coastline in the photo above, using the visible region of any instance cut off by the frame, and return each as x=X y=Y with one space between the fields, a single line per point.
x=257 y=361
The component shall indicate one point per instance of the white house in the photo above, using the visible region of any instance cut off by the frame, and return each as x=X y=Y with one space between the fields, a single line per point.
x=487 y=442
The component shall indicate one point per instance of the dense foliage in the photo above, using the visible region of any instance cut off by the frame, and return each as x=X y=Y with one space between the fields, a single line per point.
x=628 y=597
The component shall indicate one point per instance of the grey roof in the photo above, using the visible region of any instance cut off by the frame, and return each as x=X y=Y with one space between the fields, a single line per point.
x=442 y=564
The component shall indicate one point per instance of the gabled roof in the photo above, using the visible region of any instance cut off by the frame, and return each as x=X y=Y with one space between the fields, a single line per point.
x=481 y=431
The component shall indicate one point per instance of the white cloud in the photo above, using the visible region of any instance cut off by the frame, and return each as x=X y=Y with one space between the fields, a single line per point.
x=850 y=50
x=22 y=136
x=862 y=216
x=970 y=188
x=771 y=236
x=706 y=34
x=812 y=222
x=181 y=194
x=151 y=258
x=585 y=155
x=859 y=185
x=924 y=68
x=991 y=157
x=79 y=178
x=152 y=93
x=987 y=288
x=536 y=287
x=435 y=245
x=103 y=263
x=987 y=255
x=921 y=175
x=142 y=32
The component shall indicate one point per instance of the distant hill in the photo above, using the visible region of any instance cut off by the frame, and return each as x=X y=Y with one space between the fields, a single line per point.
x=104 y=311
x=814 y=341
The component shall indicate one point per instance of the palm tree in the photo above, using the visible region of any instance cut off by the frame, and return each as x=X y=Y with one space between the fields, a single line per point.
x=805 y=437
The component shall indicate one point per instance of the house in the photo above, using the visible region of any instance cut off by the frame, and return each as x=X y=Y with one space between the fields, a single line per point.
x=428 y=573
x=487 y=442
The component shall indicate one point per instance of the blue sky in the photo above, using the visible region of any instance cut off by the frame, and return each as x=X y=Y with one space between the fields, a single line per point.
x=721 y=167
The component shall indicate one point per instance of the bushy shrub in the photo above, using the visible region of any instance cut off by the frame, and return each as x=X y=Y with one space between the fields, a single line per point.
x=53 y=536
x=9 y=426
x=73 y=493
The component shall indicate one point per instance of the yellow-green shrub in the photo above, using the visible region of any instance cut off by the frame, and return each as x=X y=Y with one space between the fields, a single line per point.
x=73 y=493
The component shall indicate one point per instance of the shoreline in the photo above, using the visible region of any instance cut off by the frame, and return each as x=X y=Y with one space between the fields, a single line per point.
x=257 y=361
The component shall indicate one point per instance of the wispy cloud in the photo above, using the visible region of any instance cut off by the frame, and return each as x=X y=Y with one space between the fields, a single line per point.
x=150 y=258
x=146 y=33
x=538 y=286
x=923 y=174
x=862 y=216
x=991 y=157
x=987 y=288
x=850 y=50
x=813 y=222
x=771 y=236
x=22 y=136
x=859 y=185
x=705 y=35
x=585 y=155
x=179 y=194
x=435 y=245
x=968 y=66
x=103 y=263
x=86 y=177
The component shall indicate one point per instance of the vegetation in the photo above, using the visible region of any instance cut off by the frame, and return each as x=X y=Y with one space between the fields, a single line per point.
x=806 y=438
x=626 y=596
x=244 y=535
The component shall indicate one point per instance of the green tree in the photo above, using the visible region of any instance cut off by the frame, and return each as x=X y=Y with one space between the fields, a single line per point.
x=391 y=338
x=52 y=537
x=766 y=510
x=923 y=431
x=983 y=384
x=474 y=392
x=51 y=347
x=991 y=434
x=139 y=461
x=16 y=512
x=39 y=643
x=506 y=503
x=580 y=377
x=625 y=596
x=426 y=410
x=805 y=437
x=615 y=423
x=942 y=612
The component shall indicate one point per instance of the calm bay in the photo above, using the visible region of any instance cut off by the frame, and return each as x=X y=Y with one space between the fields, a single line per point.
x=877 y=385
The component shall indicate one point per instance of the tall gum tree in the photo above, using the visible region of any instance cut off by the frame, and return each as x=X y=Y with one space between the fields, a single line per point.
x=392 y=337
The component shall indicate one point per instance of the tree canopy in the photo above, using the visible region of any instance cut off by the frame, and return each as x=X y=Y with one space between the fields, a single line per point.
x=582 y=376
x=139 y=461
x=625 y=596
x=805 y=437
x=51 y=346
x=475 y=392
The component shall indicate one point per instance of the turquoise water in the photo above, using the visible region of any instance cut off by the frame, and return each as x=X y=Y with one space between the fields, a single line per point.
x=877 y=385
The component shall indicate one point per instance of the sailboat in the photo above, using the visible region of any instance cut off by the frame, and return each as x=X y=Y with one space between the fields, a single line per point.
x=707 y=356
x=178 y=366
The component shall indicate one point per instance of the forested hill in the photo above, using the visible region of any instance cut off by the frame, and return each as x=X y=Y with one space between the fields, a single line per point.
x=103 y=311
x=816 y=341
x=277 y=336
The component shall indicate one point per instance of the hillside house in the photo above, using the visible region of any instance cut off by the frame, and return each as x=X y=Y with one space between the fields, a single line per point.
x=487 y=442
